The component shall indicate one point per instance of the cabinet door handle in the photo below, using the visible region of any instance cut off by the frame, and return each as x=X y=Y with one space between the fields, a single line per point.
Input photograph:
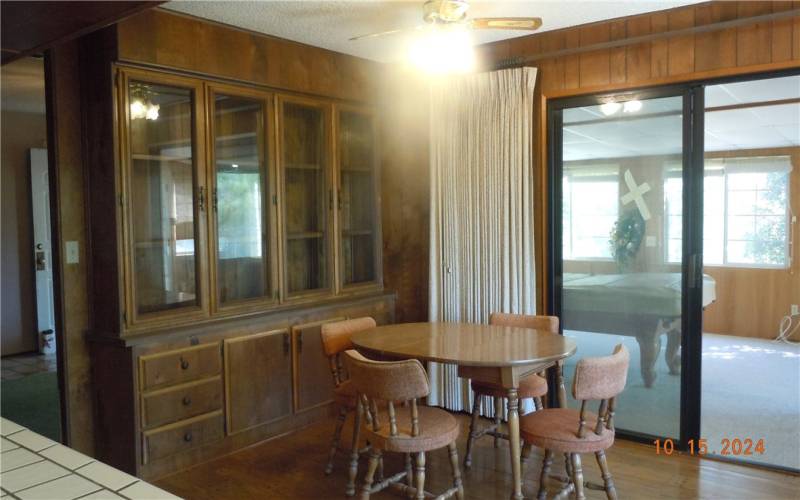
x=299 y=342
x=184 y=364
x=339 y=198
x=201 y=198
x=214 y=199
x=187 y=401
x=287 y=344
x=187 y=437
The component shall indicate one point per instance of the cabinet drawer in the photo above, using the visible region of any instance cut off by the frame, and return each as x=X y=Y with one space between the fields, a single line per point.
x=180 y=402
x=182 y=365
x=182 y=436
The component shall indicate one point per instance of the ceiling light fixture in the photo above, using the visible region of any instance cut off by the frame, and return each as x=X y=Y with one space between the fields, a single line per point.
x=610 y=107
x=632 y=106
x=443 y=50
x=141 y=104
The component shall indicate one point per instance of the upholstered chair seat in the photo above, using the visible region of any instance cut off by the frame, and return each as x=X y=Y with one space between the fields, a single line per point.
x=532 y=386
x=437 y=429
x=554 y=429
x=345 y=395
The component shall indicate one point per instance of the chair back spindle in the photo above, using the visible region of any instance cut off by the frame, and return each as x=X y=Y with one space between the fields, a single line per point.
x=336 y=339
x=387 y=382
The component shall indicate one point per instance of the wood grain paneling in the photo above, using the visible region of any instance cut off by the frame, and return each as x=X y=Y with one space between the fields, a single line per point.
x=181 y=42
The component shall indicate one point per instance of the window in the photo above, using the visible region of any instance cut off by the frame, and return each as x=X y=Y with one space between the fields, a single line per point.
x=746 y=212
x=591 y=207
x=240 y=232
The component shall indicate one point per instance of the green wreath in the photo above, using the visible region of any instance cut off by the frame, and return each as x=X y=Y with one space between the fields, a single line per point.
x=626 y=237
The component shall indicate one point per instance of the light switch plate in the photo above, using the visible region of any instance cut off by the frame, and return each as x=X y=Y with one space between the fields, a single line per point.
x=72 y=252
x=650 y=241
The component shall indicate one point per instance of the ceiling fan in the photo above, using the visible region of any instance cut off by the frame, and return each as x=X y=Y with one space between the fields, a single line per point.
x=447 y=13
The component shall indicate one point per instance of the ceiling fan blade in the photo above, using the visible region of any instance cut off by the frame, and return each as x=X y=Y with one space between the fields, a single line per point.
x=506 y=23
x=384 y=33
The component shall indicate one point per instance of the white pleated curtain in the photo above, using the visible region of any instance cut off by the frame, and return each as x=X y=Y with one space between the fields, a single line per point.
x=482 y=198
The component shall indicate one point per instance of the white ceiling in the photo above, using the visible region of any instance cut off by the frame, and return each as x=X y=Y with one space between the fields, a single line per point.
x=329 y=24
x=22 y=86
x=589 y=134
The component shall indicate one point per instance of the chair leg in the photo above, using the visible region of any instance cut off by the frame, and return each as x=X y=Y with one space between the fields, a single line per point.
x=537 y=402
x=456 y=471
x=498 y=411
x=473 y=430
x=577 y=476
x=337 y=434
x=350 y=490
x=419 y=473
x=409 y=471
x=548 y=460
x=527 y=448
x=374 y=458
x=611 y=492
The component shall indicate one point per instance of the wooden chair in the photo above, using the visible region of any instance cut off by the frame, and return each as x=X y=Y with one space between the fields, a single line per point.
x=564 y=430
x=533 y=386
x=410 y=430
x=335 y=340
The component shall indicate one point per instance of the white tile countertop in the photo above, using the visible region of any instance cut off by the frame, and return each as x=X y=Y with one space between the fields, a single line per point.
x=34 y=467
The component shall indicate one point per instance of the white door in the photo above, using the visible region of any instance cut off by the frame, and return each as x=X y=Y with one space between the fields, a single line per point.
x=40 y=196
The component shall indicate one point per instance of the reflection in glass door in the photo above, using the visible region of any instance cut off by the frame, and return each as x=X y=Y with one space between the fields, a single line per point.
x=752 y=195
x=616 y=160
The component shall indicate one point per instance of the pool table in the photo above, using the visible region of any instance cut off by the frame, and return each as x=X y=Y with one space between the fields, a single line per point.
x=640 y=305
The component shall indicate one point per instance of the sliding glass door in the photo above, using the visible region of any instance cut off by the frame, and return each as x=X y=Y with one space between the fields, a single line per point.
x=616 y=161
x=674 y=233
x=751 y=334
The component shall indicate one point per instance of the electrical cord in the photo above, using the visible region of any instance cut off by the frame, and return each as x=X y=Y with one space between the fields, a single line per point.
x=785 y=330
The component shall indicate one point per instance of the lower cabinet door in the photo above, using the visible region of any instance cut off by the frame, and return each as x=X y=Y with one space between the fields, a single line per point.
x=258 y=379
x=313 y=382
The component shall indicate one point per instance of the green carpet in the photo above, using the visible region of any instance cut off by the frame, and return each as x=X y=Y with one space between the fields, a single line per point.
x=32 y=401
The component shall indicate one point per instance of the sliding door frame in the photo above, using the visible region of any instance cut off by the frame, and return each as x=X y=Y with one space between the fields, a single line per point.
x=692 y=264
x=691 y=293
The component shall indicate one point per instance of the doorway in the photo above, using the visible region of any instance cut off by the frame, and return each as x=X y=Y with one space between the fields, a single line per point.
x=707 y=303
x=30 y=391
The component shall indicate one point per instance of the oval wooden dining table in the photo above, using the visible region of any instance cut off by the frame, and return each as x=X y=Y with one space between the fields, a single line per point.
x=498 y=354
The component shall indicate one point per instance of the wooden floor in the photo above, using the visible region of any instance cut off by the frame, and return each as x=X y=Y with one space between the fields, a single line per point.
x=292 y=467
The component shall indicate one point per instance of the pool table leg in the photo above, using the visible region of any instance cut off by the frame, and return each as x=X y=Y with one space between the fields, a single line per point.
x=673 y=353
x=649 y=348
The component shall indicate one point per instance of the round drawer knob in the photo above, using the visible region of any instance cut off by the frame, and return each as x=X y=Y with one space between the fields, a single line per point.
x=187 y=401
x=184 y=364
x=187 y=437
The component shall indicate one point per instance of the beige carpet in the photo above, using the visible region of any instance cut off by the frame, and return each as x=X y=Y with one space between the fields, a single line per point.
x=751 y=389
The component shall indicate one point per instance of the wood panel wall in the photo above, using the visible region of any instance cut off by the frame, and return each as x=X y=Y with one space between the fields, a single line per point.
x=749 y=47
x=177 y=41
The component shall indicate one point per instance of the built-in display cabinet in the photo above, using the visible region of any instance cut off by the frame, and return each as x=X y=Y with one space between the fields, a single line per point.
x=241 y=200
x=236 y=221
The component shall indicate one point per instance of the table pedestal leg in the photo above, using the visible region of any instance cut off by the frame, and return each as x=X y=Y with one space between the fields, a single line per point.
x=513 y=440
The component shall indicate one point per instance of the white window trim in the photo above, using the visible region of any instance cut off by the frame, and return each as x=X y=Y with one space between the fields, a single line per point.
x=736 y=164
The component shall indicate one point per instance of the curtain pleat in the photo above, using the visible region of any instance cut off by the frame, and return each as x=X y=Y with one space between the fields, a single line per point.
x=481 y=231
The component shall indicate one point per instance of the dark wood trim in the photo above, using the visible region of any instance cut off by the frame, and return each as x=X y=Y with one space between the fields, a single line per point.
x=694 y=30
x=12 y=54
x=51 y=98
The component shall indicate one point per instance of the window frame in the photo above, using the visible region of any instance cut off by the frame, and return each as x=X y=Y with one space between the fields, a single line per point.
x=787 y=253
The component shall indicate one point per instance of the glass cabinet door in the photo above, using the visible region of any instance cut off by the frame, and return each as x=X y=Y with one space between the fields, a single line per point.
x=357 y=208
x=306 y=197
x=240 y=197
x=165 y=196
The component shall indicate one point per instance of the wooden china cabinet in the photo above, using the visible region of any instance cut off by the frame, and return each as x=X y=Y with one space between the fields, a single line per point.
x=245 y=218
